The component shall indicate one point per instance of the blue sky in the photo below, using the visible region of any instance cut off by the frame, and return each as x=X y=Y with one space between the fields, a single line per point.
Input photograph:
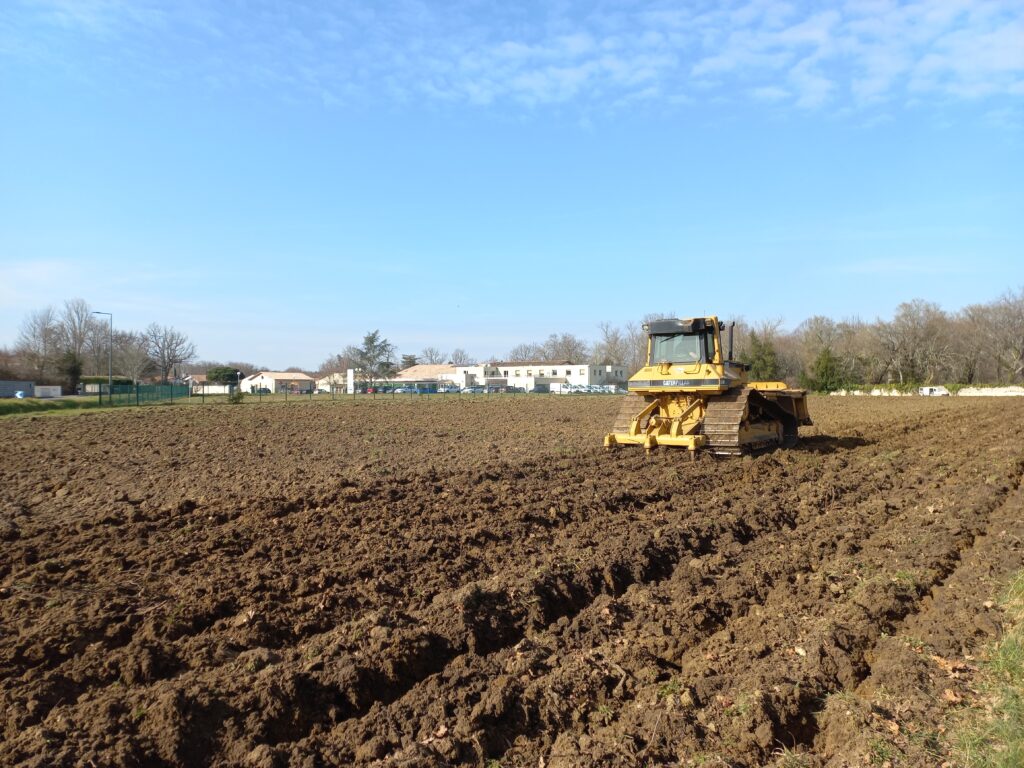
x=277 y=178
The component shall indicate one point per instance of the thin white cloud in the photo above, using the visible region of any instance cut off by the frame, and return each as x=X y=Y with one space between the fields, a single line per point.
x=813 y=87
x=770 y=93
x=851 y=53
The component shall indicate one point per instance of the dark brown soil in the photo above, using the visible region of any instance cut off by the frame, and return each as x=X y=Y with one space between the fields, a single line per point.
x=466 y=580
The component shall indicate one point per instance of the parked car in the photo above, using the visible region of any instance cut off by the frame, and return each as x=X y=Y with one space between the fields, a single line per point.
x=402 y=390
x=262 y=391
x=474 y=390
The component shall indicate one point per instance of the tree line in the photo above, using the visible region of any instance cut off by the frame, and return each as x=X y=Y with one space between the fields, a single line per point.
x=920 y=344
x=61 y=346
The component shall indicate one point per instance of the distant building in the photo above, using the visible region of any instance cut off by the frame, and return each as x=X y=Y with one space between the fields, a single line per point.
x=493 y=377
x=332 y=382
x=538 y=373
x=278 y=382
x=199 y=385
x=427 y=377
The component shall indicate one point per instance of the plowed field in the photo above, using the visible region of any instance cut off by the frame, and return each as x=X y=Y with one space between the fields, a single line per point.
x=474 y=581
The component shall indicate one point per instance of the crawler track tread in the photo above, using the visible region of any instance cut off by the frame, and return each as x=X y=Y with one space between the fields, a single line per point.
x=632 y=404
x=724 y=417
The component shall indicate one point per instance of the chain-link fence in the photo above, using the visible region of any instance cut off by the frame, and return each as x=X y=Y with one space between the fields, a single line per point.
x=139 y=394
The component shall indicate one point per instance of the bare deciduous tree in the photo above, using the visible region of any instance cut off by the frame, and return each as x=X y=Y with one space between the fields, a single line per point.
x=432 y=356
x=1008 y=333
x=168 y=348
x=340 y=362
x=522 y=353
x=613 y=348
x=557 y=348
x=39 y=343
x=916 y=341
x=94 y=353
x=131 y=355
x=636 y=340
x=77 y=324
x=461 y=357
x=566 y=346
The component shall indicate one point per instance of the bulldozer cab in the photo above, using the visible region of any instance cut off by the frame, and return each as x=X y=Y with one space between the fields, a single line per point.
x=682 y=341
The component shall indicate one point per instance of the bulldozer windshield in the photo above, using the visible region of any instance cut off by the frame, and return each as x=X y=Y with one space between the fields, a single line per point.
x=677 y=348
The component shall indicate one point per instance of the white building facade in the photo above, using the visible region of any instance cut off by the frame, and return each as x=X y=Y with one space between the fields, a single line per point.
x=530 y=375
x=525 y=376
x=277 y=382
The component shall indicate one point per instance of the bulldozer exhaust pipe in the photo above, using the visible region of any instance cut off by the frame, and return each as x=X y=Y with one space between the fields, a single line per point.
x=732 y=325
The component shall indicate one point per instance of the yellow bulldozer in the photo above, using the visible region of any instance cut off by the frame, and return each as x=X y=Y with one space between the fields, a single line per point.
x=692 y=394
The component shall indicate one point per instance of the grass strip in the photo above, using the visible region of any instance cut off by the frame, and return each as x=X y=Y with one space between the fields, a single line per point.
x=991 y=733
x=13 y=406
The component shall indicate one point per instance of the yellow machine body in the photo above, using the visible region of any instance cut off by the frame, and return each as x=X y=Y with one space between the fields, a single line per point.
x=692 y=395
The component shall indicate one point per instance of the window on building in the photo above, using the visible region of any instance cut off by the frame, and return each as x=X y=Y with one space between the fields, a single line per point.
x=582 y=372
x=554 y=372
x=506 y=374
x=529 y=373
x=568 y=372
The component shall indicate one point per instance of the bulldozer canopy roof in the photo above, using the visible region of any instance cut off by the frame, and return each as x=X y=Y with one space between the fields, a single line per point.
x=690 y=325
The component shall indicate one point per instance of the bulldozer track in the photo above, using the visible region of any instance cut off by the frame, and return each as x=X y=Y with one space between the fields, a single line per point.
x=724 y=416
x=631 y=406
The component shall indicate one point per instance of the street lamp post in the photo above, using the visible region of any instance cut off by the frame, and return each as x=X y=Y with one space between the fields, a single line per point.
x=239 y=375
x=110 y=354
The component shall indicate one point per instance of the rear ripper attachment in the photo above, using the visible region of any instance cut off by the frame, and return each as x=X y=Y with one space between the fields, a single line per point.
x=692 y=394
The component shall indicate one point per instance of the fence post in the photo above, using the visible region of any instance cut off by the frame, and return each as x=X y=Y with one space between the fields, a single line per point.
x=136 y=393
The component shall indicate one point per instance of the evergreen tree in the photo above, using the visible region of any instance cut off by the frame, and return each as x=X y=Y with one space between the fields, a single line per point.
x=826 y=373
x=375 y=358
x=762 y=358
x=70 y=367
x=222 y=374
